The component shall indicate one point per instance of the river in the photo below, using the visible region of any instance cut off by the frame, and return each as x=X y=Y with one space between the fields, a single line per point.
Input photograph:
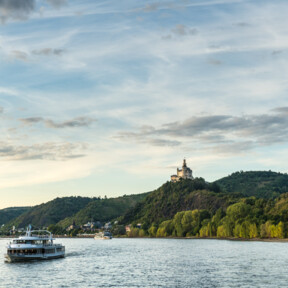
x=154 y=263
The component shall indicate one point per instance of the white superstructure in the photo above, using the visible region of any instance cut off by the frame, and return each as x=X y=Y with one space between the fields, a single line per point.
x=35 y=245
x=103 y=236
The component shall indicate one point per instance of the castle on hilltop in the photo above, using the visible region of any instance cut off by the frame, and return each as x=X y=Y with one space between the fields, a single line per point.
x=184 y=173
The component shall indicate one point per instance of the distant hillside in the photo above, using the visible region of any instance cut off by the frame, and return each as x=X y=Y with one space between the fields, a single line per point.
x=104 y=209
x=51 y=212
x=170 y=198
x=8 y=214
x=81 y=209
x=261 y=184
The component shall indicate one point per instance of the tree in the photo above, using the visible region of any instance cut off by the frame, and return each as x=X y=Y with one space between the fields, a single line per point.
x=206 y=230
x=237 y=231
x=238 y=211
x=253 y=231
x=227 y=229
x=152 y=231
x=178 y=225
x=245 y=229
x=280 y=230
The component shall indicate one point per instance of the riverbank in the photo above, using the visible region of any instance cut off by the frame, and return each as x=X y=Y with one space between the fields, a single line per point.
x=182 y=238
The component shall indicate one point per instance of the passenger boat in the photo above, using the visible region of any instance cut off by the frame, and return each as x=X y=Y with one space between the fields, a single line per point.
x=35 y=245
x=103 y=236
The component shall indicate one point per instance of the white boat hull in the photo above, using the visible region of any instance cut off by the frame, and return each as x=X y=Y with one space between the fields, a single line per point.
x=35 y=245
x=20 y=258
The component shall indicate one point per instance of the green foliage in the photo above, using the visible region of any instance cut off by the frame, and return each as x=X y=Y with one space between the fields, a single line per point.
x=50 y=212
x=134 y=232
x=8 y=214
x=103 y=209
x=62 y=211
x=238 y=211
x=118 y=230
x=56 y=230
x=262 y=184
x=239 y=221
x=165 y=229
x=163 y=203
x=152 y=231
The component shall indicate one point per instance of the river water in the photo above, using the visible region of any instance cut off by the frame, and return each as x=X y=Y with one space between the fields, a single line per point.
x=154 y=263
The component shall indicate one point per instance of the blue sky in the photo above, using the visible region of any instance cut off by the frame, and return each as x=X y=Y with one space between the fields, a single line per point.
x=107 y=97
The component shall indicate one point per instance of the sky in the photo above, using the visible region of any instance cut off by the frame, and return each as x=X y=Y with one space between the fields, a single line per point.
x=108 y=97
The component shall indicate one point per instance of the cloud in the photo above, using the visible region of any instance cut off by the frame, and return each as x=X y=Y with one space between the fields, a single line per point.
x=32 y=120
x=57 y=3
x=150 y=7
x=215 y=62
x=242 y=24
x=16 y=9
x=48 y=52
x=281 y=110
x=1 y=110
x=127 y=136
x=182 y=30
x=226 y=133
x=20 y=55
x=45 y=151
x=22 y=9
x=179 y=31
x=75 y=122
x=276 y=52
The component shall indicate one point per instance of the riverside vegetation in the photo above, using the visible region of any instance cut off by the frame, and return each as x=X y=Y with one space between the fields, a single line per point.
x=220 y=209
x=242 y=205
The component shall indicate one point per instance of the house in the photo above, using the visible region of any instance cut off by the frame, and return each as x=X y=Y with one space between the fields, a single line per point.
x=128 y=228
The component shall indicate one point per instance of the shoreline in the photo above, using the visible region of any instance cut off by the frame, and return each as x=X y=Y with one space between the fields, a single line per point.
x=279 y=240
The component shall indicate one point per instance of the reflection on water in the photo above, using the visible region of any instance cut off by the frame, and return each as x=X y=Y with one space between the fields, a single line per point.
x=154 y=263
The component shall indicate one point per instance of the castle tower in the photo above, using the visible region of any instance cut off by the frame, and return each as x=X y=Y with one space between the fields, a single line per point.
x=184 y=163
x=184 y=173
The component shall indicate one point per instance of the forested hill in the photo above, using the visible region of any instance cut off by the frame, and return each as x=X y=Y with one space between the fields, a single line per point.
x=170 y=198
x=80 y=209
x=103 y=209
x=8 y=214
x=261 y=184
x=51 y=212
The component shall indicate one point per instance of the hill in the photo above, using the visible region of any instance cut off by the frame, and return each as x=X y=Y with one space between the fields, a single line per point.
x=261 y=184
x=8 y=214
x=63 y=211
x=51 y=212
x=170 y=198
x=103 y=209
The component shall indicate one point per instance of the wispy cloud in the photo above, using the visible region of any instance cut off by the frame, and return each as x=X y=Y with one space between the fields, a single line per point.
x=22 y=9
x=20 y=55
x=226 y=133
x=57 y=3
x=48 y=51
x=44 y=151
x=73 y=123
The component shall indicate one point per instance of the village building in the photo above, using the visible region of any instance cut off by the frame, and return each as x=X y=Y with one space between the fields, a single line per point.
x=184 y=173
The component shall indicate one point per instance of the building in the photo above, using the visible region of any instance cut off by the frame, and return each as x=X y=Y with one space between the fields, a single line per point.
x=184 y=173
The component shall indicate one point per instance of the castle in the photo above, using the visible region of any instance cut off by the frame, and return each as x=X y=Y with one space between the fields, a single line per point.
x=184 y=173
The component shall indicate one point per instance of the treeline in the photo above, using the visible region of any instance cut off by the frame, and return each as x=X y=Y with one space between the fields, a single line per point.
x=63 y=211
x=261 y=184
x=248 y=218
